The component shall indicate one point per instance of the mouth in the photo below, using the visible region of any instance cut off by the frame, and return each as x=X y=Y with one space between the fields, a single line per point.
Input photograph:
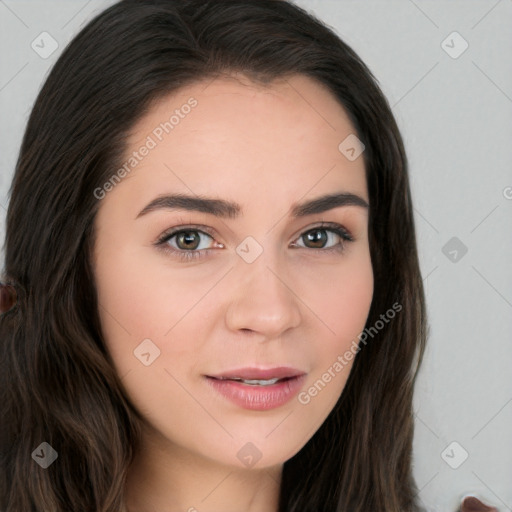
x=258 y=389
x=254 y=382
x=259 y=376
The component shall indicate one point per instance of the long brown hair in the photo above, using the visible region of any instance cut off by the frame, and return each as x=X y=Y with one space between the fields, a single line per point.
x=57 y=380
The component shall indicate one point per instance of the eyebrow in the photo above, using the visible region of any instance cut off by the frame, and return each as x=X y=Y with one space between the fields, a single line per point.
x=232 y=210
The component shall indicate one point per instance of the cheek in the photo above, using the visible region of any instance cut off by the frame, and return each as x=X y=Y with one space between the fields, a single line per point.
x=130 y=307
x=341 y=302
x=341 y=305
x=136 y=304
x=340 y=296
x=349 y=309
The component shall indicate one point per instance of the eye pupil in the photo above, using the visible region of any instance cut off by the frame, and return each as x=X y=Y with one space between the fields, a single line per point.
x=188 y=237
x=318 y=237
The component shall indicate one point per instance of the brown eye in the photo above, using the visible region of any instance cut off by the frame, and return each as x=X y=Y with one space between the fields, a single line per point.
x=185 y=240
x=319 y=237
x=185 y=243
x=189 y=239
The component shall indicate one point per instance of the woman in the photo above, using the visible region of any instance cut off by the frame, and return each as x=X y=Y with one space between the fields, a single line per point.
x=272 y=370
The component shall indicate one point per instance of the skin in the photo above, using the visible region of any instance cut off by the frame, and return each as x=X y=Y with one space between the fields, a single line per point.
x=265 y=148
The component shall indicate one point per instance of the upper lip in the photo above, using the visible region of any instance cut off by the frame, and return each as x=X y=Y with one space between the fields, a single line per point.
x=279 y=372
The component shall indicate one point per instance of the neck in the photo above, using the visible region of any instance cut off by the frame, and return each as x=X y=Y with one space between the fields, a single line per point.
x=169 y=478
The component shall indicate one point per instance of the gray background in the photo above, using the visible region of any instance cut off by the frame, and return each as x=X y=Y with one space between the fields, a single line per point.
x=454 y=109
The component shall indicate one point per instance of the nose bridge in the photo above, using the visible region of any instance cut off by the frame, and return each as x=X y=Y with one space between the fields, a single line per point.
x=263 y=300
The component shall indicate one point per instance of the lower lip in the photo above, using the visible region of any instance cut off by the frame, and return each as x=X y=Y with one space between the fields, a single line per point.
x=258 y=398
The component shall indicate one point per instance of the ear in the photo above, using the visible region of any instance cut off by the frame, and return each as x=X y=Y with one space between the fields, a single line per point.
x=8 y=297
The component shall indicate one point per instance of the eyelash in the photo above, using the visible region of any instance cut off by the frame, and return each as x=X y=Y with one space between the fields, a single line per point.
x=196 y=254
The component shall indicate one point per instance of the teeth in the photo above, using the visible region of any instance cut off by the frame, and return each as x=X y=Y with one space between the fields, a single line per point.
x=258 y=382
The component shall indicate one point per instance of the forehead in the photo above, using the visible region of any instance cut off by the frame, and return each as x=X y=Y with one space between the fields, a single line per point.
x=298 y=103
x=217 y=136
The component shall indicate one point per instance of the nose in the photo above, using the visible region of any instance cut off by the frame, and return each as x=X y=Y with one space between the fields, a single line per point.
x=263 y=299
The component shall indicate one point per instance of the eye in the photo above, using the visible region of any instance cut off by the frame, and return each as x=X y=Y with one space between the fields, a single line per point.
x=187 y=243
x=318 y=237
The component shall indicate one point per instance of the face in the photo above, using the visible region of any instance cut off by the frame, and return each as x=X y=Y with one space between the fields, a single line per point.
x=258 y=288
